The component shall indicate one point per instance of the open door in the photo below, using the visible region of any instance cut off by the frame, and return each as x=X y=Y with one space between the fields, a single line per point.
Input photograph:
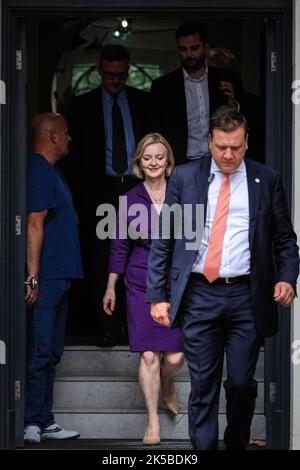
x=3 y=329
x=19 y=311
x=278 y=155
x=13 y=228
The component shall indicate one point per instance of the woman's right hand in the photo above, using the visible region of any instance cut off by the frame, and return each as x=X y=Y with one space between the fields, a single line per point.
x=109 y=301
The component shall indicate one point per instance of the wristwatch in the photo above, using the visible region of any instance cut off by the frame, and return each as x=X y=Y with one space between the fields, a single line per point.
x=32 y=282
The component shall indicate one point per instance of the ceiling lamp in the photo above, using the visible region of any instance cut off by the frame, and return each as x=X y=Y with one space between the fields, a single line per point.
x=124 y=23
x=123 y=29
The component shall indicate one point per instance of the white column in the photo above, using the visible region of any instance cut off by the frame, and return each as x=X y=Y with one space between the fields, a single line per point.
x=295 y=389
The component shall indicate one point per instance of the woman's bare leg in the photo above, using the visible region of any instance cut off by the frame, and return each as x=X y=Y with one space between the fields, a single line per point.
x=149 y=379
x=172 y=362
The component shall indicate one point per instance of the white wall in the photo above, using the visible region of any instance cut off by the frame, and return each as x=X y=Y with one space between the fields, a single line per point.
x=295 y=408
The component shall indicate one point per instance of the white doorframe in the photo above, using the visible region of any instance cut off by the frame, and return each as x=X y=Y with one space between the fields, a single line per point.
x=295 y=333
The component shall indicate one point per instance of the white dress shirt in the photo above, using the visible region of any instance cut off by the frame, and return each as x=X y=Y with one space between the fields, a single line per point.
x=235 y=259
x=197 y=110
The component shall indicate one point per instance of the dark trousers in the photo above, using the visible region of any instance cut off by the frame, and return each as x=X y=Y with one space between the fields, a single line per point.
x=46 y=323
x=214 y=318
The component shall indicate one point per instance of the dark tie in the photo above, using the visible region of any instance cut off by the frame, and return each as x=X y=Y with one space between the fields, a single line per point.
x=119 y=152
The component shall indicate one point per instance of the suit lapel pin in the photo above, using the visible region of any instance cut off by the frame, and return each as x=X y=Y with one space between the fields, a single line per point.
x=257 y=180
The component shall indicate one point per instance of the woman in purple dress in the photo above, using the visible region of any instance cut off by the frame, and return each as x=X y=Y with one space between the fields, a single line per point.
x=161 y=351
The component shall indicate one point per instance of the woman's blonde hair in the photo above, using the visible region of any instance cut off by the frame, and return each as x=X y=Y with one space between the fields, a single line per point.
x=148 y=139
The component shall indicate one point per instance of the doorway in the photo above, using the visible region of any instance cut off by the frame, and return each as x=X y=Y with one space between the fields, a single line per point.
x=268 y=48
x=68 y=69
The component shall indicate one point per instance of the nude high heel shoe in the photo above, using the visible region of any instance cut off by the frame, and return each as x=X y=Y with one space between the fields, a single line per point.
x=151 y=438
x=169 y=396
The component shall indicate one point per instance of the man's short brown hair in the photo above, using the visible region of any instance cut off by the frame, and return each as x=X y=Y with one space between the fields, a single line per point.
x=227 y=120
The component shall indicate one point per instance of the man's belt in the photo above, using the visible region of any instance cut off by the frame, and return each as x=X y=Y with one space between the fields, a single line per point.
x=224 y=280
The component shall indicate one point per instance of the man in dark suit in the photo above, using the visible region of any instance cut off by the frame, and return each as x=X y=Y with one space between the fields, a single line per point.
x=105 y=125
x=182 y=101
x=224 y=292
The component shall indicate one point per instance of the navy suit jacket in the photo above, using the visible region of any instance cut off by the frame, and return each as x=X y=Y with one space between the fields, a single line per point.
x=84 y=168
x=273 y=247
x=168 y=114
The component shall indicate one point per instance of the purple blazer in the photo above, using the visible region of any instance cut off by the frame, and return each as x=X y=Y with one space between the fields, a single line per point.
x=127 y=255
x=130 y=256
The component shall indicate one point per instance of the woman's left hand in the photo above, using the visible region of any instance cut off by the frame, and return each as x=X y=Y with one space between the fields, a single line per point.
x=109 y=301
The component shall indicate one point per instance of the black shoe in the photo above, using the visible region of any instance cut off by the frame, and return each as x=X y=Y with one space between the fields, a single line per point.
x=106 y=341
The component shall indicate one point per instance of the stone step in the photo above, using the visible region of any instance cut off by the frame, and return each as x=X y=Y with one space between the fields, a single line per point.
x=117 y=361
x=104 y=393
x=96 y=391
x=109 y=425
x=104 y=445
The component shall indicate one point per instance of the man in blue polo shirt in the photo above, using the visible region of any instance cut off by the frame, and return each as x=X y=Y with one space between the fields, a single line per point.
x=53 y=259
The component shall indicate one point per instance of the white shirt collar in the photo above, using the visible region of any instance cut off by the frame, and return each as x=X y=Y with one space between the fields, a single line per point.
x=214 y=167
x=108 y=97
x=187 y=77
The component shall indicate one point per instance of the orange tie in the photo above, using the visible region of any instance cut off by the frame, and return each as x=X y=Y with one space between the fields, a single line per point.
x=214 y=252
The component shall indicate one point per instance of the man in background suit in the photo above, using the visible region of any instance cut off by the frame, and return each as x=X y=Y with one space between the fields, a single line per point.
x=224 y=293
x=105 y=124
x=182 y=101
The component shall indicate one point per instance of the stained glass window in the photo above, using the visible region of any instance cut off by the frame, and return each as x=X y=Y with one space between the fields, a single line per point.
x=85 y=77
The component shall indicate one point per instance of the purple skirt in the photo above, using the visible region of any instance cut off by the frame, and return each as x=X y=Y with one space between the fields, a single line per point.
x=144 y=333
